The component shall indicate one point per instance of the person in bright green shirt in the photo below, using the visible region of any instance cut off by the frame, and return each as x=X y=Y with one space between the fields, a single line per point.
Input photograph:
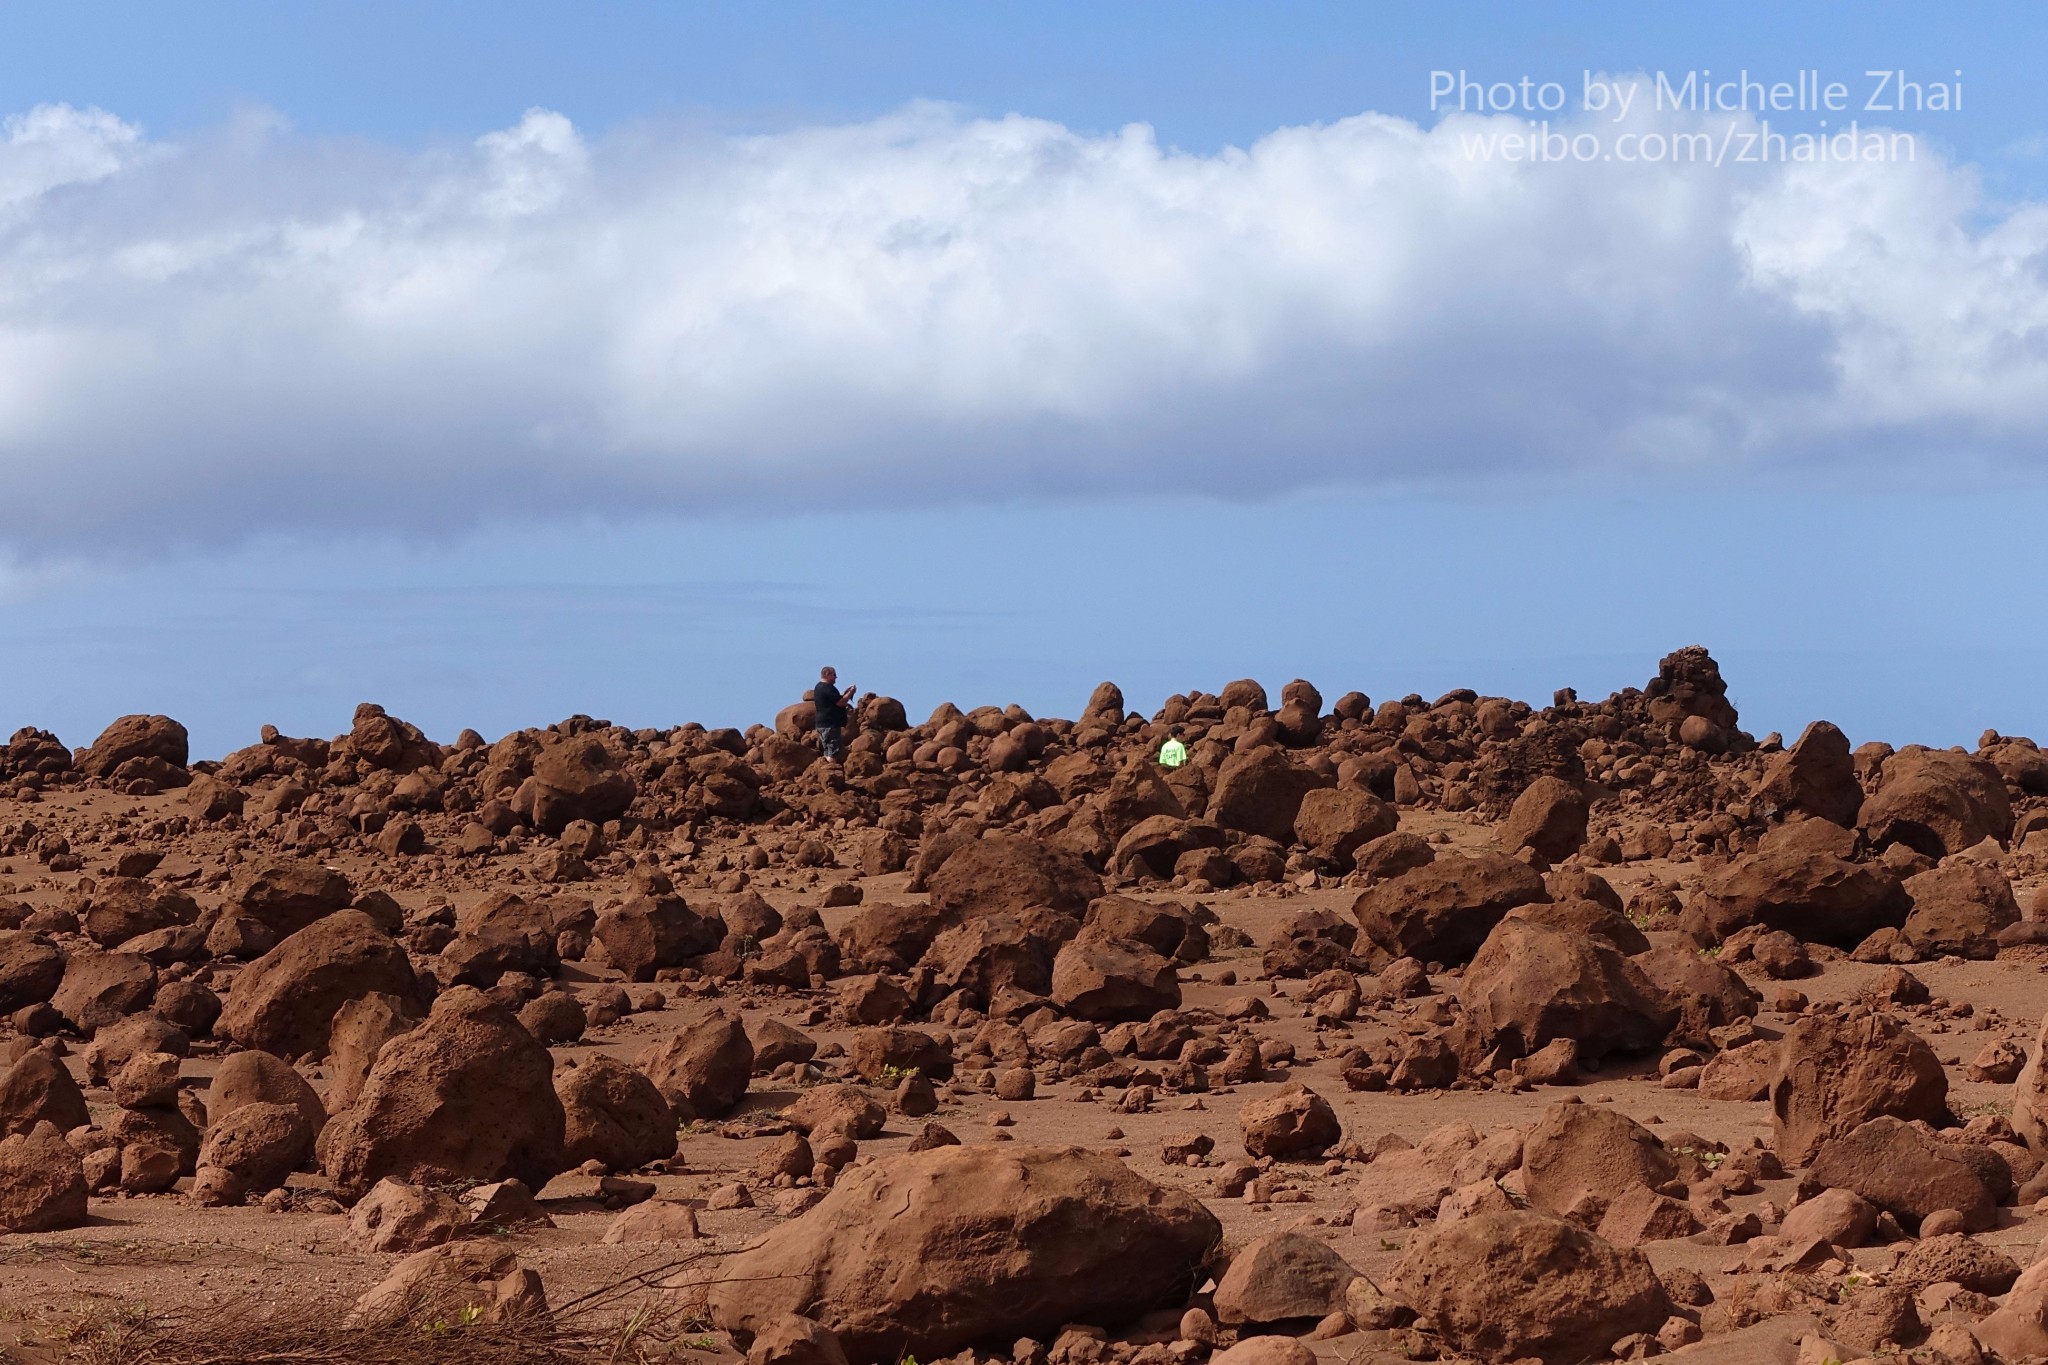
x=1173 y=753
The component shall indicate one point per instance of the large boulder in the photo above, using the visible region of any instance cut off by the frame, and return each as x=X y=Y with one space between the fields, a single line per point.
x=254 y=1077
x=99 y=989
x=1815 y=777
x=42 y=1182
x=468 y=1095
x=384 y=741
x=1137 y=793
x=286 y=896
x=1110 y=980
x=981 y=1241
x=1281 y=1277
x=1296 y=1122
x=1548 y=818
x=257 y=1146
x=647 y=933
x=360 y=1029
x=39 y=1089
x=991 y=953
x=133 y=737
x=574 y=778
x=31 y=969
x=1513 y=1286
x=1707 y=995
x=285 y=1002
x=614 y=1115
x=2030 y=1097
x=1335 y=822
x=703 y=1068
x=459 y=1282
x=1008 y=874
x=503 y=932
x=1903 y=1169
x=1836 y=1073
x=1959 y=908
x=1260 y=791
x=128 y=907
x=1581 y=1150
x=1937 y=802
x=1532 y=983
x=1813 y=894
x=1594 y=918
x=1443 y=910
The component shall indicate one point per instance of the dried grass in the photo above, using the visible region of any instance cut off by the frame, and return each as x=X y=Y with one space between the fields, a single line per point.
x=630 y=1322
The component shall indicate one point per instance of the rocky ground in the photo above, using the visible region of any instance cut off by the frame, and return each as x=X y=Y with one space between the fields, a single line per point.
x=1426 y=1030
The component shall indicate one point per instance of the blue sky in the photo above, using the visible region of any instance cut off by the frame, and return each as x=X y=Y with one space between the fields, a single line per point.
x=500 y=362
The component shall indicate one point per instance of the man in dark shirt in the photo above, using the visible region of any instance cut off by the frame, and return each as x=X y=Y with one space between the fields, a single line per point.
x=829 y=705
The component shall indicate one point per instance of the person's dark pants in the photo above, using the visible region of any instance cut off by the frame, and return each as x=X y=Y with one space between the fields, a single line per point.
x=832 y=741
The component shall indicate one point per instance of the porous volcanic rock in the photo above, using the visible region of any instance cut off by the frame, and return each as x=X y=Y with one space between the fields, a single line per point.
x=1836 y=1073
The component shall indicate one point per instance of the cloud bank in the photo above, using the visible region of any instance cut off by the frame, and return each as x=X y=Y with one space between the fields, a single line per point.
x=257 y=332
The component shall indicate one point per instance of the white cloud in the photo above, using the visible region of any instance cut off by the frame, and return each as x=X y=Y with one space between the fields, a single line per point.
x=262 y=332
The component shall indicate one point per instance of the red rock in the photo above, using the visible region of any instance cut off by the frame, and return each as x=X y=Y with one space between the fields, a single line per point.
x=1959 y=908
x=1335 y=822
x=99 y=989
x=124 y=908
x=1809 y=893
x=133 y=737
x=1295 y=1122
x=1901 y=1169
x=1280 y=1277
x=702 y=1070
x=258 y=1145
x=1531 y=983
x=42 y=1182
x=402 y=1218
x=1937 y=802
x=1640 y=1214
x=467 y=1095
x=31 y=969
x=1835 y=1073
x=286 y=896
x=1260 y=791
x=38 y=1089
x=648 y=933
x=1815 y=777
x=287 y=1000
x=461 y=1282
x=1581 y=1150
x=1443 y=911
x=1708 y=995
x=574 y=777
x=254 y=1077
x=983 y=1241
x=1105 y=980
x=614 y=1115
x=1548 y=818
x=1838 y=1217
x=1512 y=1286
x=1009 y=874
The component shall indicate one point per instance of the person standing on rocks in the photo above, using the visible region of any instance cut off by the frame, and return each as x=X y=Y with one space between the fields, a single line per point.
x=829 y=707
x=1173 y=753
